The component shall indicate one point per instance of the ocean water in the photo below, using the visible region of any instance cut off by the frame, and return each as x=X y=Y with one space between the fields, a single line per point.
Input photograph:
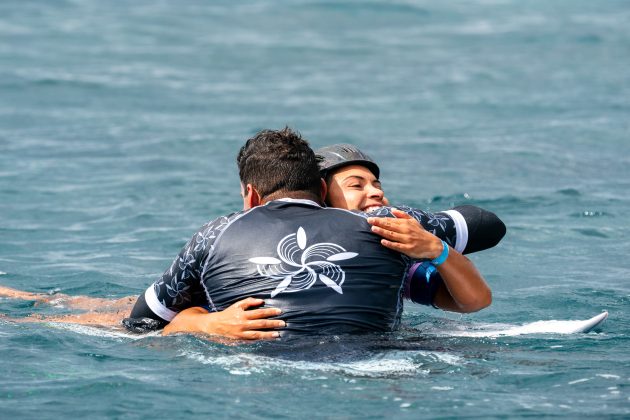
x=119 y=126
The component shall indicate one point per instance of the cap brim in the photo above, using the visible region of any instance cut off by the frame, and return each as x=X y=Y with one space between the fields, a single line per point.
x=370 y=165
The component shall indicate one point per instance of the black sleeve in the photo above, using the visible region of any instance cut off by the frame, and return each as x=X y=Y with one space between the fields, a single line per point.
x=485 y=229
x=142 y=319
x=419 y=289
x=440 y=224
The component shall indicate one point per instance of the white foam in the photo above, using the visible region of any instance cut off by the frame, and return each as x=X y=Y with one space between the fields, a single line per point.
x=579 y=381
x=392 y=363
x=240 y=372
x=99 y=332
x=375 y=367
x=2 y=273
x=608 y=376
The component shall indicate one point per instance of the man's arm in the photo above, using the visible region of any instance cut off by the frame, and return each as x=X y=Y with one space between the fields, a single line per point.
x=175 y=301
x=179 y=288
x=465 y=228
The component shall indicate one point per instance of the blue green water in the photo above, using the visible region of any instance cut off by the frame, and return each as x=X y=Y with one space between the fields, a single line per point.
x=119 y=125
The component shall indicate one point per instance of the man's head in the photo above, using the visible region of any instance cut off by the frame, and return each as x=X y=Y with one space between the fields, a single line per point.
x=277 y=164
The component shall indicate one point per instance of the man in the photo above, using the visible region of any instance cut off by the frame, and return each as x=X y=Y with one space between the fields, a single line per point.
x=322 y=268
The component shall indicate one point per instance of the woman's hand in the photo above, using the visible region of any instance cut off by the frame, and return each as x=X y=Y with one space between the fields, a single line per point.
x=405 y=235
x=238 y=321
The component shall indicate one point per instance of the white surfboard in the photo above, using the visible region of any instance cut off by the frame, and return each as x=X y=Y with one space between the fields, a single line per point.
x=538 y=327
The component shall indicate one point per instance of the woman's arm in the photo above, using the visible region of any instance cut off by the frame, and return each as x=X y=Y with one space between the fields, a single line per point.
x=463 y=288
x=237 y=321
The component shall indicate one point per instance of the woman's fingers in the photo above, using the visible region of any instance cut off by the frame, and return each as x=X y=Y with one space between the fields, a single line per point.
x=396 y=246
x=400 y=214
x=265 y=324
x=248 y=303
x=250 y=324
x=262 y=313
x=387 y=234
x=394 y=225
x=260 y=335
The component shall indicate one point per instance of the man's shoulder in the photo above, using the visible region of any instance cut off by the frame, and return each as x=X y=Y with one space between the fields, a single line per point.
x=222 y=221
x=386 y=211
x=210 y=230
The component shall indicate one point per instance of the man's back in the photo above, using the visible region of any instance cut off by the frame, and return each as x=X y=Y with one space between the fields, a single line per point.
x=322 y=267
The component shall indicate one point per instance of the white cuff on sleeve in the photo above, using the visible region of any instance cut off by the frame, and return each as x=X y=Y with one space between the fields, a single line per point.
x=461 y=228
x=156 y=306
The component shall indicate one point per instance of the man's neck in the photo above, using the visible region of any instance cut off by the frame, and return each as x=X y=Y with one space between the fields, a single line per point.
x=299 y=195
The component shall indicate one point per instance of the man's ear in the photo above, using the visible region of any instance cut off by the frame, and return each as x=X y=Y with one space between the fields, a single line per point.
x=251 y=198
x=323 y=189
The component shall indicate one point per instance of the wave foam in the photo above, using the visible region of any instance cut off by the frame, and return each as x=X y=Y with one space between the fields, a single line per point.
x=99 y=332
x=394 y=363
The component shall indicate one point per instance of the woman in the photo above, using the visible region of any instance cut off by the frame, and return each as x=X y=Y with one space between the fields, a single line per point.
x=456 y=285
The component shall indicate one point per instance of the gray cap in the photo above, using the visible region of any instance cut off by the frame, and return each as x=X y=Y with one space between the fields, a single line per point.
x=337 y=156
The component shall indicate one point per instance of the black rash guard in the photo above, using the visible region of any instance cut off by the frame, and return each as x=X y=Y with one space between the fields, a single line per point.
x=323 y=267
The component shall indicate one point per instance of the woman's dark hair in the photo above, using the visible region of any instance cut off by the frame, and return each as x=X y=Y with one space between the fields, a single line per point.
x=279 y=162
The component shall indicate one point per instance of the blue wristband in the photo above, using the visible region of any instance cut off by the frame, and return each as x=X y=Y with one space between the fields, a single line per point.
x=436 y=262
x=443 y=256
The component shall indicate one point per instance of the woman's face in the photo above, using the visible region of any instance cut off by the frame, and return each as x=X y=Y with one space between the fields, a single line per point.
x=354 y=187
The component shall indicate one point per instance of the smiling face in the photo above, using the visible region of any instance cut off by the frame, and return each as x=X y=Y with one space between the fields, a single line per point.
x=354 y=187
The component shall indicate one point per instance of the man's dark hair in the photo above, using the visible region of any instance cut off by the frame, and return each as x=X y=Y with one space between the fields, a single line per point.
x=276 y=162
